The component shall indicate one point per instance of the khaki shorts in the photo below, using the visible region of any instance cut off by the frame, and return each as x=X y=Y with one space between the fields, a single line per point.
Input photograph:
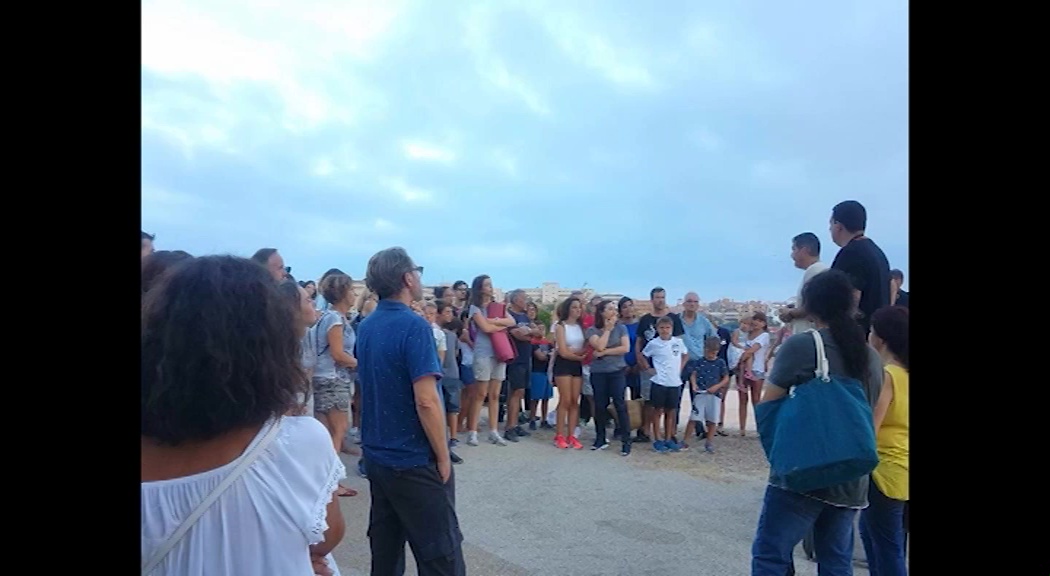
x=488 y=368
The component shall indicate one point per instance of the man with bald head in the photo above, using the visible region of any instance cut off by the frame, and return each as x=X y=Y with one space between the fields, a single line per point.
x=697 y=329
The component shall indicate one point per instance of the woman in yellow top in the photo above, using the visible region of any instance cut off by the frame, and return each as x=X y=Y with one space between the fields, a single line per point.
x=882 y=522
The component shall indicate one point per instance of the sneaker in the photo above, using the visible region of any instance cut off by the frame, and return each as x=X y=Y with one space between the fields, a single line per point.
x=546 y=425
x=625 y=450
x=576 y=433
x=709 y=448
x=532 y=425
x=600 y=446
x=472 y=439
x=496 y=439
x=684 y=446
x=673 y=445
x=659 y=446
x=520 y=432
x=575 y=443
x=642 y=437
x=560 y=442
x=720 y=431
x=510 y=435
x=454 y=457
x=522 y=418
x=453 y=442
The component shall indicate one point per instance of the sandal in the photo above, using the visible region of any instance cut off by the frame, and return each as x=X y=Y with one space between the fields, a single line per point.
x=345 y=492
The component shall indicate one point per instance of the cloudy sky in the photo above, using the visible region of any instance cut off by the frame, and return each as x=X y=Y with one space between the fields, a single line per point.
x=597 y=142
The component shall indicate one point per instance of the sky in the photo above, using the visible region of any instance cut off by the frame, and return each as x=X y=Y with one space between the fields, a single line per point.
x=597 y=143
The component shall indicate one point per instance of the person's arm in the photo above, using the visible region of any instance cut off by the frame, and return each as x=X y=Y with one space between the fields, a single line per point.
x=522 y=333
x=692 y=381
x=490 y=325
x=335 y=532
x=798 y=356
x=623 y=348
x=639 y=354
x=751 y=351
x=598 y=340
x=734 y=339
x=685 y=359
x=335 y=346
x=432 y=417
x=721 y=384
x=539 y=355
x=885 y=398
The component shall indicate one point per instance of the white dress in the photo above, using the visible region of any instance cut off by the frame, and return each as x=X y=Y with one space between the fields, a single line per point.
x=264 y=523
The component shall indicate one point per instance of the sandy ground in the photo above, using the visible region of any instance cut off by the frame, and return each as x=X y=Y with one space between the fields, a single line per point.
x=529 y=508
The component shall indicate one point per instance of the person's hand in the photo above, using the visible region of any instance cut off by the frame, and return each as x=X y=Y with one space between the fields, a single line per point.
x=599 y=353
x=445 y=470
x=608 y=327
x=320 y=565
x=695 y=389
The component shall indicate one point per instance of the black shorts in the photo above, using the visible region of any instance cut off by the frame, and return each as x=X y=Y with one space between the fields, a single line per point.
x=563 y=367
x=518 y=376
x=634 y=384
x=665 y=397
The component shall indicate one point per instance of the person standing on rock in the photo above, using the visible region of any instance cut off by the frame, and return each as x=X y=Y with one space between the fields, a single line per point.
x=403 y=428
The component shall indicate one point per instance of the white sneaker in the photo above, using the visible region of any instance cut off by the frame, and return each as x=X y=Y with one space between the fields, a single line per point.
x=472 y=439
x=496 y=439
x=577 y=432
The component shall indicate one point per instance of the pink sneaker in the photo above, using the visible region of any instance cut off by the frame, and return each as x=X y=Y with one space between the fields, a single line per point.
x=560 y=442
x=575 y=442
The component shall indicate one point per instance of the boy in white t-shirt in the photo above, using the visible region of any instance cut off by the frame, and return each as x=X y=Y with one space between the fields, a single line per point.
x=668 y=356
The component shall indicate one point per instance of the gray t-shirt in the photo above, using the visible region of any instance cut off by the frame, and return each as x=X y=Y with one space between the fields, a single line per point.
x=607 y=364
x=796 y=364
x=450 y=366
x=482 y=341
x=325 y=366
x=309 y=352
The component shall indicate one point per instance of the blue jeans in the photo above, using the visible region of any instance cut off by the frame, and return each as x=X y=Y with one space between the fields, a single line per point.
x=882 y=532
x=787 y=517
x=606 y=385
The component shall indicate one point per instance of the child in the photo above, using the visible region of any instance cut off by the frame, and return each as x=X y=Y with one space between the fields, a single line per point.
x=668 y=356
x=708 y=382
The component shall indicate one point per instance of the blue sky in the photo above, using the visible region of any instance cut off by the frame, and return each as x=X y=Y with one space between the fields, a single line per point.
x=602 y=142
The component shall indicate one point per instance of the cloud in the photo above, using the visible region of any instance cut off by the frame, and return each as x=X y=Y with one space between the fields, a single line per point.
x=407 y=192
x=491 y=67
x=782 y=174
x=617 y=61
x=361 y=237
x=427 y=152
x=499 y=253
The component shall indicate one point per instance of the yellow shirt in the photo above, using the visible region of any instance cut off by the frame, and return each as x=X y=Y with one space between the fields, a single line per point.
x=891 y=475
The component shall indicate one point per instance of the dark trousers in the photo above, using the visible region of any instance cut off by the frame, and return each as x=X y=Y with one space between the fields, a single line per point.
x=413 y=506
x=785 y=519
x=882 y=532
x=609 y=385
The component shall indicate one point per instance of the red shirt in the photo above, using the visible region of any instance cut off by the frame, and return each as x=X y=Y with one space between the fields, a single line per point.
x=586 y=322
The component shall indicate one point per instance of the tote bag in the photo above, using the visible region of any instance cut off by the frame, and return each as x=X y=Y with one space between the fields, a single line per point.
x=501 y=344
x=821 y=434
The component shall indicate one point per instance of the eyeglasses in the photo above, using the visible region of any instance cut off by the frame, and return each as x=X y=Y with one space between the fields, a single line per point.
x=692 y=301
x=418 y=269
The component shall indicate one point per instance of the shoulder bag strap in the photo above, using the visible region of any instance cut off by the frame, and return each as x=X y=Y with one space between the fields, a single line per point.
x=823 y=369
x=201 y=508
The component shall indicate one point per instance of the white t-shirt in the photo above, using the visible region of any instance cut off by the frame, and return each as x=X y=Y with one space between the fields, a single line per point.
x=439 y=338
x=759 y=363
x=802 y=324
x=666 y=358
x=264 y=523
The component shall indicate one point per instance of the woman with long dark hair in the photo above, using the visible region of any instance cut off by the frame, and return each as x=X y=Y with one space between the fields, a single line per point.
x=610 y=342
x=155 y=264
x=787 y=516
x=568 y=371
x=299 y=299
x=882 y=522
x=489 y=372
x=220 y=372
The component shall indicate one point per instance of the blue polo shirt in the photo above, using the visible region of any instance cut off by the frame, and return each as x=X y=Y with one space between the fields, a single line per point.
x=395 y=348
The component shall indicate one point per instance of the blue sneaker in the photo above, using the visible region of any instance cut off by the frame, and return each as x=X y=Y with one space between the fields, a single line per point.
x=672 y=445
x=361 y=468
x=661 y=446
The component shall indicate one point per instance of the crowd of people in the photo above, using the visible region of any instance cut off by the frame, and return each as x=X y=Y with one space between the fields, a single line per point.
x=253 y=382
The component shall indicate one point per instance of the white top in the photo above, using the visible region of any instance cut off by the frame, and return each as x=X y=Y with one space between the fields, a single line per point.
x=573 y=337
x=801 y=325
x=666 y=357
x=759 y=363
x=439 y=338
x=264 y=523
x=467 y=352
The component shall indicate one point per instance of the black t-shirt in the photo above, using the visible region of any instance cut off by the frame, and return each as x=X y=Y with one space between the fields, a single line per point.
x=727 y=337
x=647 y=328
x=869 y=270
x=902 y=298
x=524 y=347
x=538 y=366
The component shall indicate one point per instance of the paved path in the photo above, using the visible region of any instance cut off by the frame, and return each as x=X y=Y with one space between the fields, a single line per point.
x=530 y=509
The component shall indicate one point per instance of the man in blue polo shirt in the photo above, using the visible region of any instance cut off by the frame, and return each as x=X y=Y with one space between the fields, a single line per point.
x=403 y=428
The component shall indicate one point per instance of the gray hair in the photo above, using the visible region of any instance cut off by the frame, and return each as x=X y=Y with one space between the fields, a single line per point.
x=386 y=272
x=514 y=294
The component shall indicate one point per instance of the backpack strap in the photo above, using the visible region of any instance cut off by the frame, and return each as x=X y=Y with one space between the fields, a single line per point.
x=242 y=466
x=823 y=370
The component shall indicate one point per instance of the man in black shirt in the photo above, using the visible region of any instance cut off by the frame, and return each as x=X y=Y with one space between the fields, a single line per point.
x=898 y=297
x=861 y=259
x=646 y=332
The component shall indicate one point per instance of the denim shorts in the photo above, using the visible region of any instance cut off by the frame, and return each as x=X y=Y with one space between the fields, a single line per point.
x=451 y=389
